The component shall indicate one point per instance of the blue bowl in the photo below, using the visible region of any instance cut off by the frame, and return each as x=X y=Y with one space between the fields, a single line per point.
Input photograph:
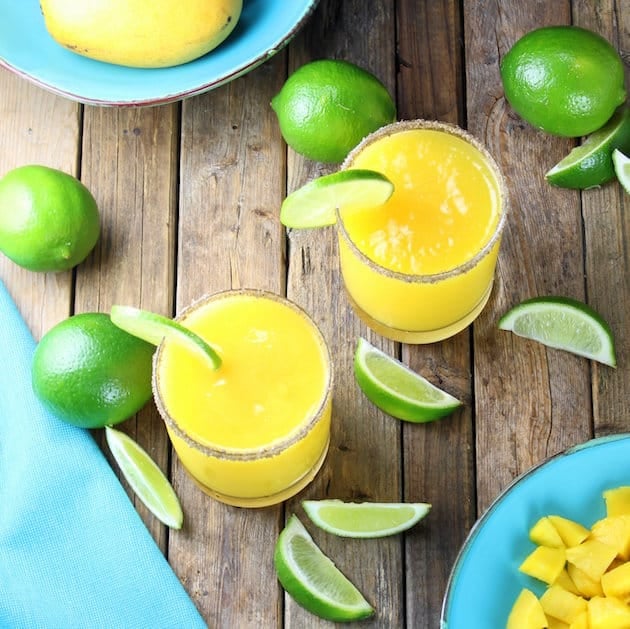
x=27 y=49
x=485 y=579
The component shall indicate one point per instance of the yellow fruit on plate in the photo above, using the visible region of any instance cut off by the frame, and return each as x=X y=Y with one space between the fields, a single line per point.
x=142 y=34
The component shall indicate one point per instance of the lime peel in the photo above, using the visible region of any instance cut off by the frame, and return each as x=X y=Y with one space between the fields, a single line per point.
x=154 y=328
x=313 y=580
x=621 y=163
x=365 y=519
x=315 y=203
x=397 y=389
x=563 y=323
x=145 y=478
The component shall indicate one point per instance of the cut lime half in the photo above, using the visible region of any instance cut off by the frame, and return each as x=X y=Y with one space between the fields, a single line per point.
x=622 y=169
x=591 y=163
x=563 y=323
x=313 y=580
x=154 y=328
x=145 y=478
x=315 y=203
x=398 y=390
x=365 y=519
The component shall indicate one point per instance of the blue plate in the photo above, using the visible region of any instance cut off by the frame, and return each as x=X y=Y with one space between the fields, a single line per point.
x=485 y=580
x=27 y=49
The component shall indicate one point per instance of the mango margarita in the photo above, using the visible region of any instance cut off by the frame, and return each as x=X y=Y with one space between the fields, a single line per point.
x=256 y=430
x=420 y=268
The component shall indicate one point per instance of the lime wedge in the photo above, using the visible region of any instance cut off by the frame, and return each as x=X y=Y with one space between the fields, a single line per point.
x=365 y=519
x=153 y=328
x=591 y=163
x=313 y=580
x=396 y=389
x=562 y=323
x=145 y=478
x=314 y=204
x=622 y=169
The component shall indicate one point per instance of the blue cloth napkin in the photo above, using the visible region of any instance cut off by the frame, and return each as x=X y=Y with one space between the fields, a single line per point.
x=73 y=551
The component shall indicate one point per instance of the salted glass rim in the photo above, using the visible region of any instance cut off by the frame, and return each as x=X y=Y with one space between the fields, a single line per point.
x=279 y=445
x=453 y=129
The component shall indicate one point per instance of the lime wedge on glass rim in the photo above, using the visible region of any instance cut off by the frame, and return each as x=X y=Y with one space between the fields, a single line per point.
x=153 y=328
x=563 y=323
x=622 y=169
x=364 y=519
x=315 y=203
x=313 y=580
x=397 y=389
x=145 y=478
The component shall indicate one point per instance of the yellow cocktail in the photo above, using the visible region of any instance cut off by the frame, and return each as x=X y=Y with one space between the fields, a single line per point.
x=256 y=430
x=420 y=268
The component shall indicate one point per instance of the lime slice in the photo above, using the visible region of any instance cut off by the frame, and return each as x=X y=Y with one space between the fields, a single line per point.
x=591 y=164
x=153 y=328
x=398 y=390
x=145 y=478
x=313 y=580
x=562 y=323
x=314 y=204
x=622 y=169
x=365 y=519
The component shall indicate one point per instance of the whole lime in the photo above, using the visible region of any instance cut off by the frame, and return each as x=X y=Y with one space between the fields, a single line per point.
x=565 y=80
x=49 y=220
x=326 y=107
x=90 y=373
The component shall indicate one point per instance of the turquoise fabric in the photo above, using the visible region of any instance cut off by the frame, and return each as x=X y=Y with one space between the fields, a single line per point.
x=73 y=551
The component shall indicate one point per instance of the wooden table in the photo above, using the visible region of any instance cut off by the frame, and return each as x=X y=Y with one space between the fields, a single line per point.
x=189 y=195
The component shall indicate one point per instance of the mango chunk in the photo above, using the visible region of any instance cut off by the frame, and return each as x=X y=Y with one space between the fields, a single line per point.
x=527 y=612
x=554 y=623
x=580 y=621
x=563 y=605
x=614 y=531
x=585 y=586
x=608 y=613
x=572 y=533
x=544 y=533
x=616 y=582
x=591 y=557
x=544 y=563
x=617 y=501
x=564 y=580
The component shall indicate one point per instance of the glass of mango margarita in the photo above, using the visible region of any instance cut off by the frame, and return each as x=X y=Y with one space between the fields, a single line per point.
x=420 y=268
x=254 y=431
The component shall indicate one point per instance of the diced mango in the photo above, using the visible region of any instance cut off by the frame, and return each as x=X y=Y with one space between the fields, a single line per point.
x=585 y=586
x=565 y=581
x=614 y=531
x=527 y=612
x=617 y=501
x=544 y=533
x=608 y=613
x=544 y=563
x=591 y=557
x=572 y=533
x=580 y=621
x=554 y=623
x=616 y=582
x=563 y=605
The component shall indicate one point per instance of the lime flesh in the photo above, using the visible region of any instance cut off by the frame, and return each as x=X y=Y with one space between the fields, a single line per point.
x=364 y=519
x=315 y=203
x=622 y=169
x=563 y=323
x=398 y=390
x=313 y=580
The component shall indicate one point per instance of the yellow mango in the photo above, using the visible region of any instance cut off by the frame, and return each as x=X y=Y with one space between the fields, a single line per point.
x=544 y=563
x=563 y=605
x=616 y=582
x=585 y=586
x=544 y=533
x=527 y=612
x=608 y=613
x=564 y=580
x=580 y=621
x=591 y=557
x=554 y=623
x=614 y=531
x=572 y=533
x=617 y=501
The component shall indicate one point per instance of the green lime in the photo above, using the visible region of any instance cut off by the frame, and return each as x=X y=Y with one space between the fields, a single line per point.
x=364 y=519
x=145 y=478
x=562 y=323
x=153 y=328
x=622 y=169
x=591 y=164
x=90 y=373
x=565 y=80
x=49 y=220
x=326 y=107
x=398 y=390
x=313 y=580
x=314 y=204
